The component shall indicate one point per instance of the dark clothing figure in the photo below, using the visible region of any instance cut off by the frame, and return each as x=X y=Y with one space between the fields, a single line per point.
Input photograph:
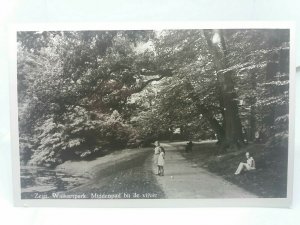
x=189 y=146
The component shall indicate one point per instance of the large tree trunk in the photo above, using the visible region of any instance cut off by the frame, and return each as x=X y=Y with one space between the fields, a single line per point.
x=232 y=122
x=233 y=126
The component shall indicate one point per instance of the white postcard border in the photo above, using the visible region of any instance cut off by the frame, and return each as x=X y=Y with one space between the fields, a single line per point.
x=238 y=202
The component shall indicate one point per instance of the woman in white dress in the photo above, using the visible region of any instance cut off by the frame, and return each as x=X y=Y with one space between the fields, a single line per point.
x=157 y=151
x=249 y=165
x=161 y=162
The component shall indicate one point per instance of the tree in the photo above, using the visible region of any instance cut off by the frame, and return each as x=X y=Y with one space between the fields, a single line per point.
x=72 y=82
x=148 y=85
x=220 y=74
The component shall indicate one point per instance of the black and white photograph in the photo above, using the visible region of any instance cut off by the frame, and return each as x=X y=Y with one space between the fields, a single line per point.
x=153 y=113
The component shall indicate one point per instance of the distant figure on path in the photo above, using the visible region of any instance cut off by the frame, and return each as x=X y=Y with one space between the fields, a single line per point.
x=157 y=151
x=161 y=162
x=189 y=146
x=249 y=165
x=256 y=135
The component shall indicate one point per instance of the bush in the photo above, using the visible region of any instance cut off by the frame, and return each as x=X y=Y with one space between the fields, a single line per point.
x=77 y=134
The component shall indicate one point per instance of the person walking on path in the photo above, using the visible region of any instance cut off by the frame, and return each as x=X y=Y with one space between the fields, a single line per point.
x=161 y=162
x=157 y=151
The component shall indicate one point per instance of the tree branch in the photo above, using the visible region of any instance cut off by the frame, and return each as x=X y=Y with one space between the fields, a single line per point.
x=163 y=74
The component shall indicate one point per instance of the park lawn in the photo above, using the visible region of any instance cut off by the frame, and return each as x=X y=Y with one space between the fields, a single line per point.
x=268 y=180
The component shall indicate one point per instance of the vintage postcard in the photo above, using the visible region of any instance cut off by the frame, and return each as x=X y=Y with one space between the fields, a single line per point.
x=170 y=115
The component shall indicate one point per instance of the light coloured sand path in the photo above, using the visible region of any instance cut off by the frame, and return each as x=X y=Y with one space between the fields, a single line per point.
x=185 y=180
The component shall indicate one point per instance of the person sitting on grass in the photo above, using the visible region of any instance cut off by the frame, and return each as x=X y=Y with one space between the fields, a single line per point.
x=249 y=165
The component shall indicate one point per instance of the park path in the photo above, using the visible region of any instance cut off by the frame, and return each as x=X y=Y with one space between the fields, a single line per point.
x=184 y=179
x=132 y=171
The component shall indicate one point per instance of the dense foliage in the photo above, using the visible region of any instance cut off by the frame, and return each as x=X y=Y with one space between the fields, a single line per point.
x=84 y=93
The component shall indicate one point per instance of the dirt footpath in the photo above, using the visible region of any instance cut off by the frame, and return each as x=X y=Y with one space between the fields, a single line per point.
x=123 y=175
x=185 y=180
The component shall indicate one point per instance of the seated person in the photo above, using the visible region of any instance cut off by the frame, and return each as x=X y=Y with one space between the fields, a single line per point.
x=249 y=165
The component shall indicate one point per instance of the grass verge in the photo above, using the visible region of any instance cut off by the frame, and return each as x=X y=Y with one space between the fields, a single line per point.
x=269 y=180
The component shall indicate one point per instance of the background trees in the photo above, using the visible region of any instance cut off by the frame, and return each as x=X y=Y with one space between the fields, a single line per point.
x=84 y=93
x=223 y=76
